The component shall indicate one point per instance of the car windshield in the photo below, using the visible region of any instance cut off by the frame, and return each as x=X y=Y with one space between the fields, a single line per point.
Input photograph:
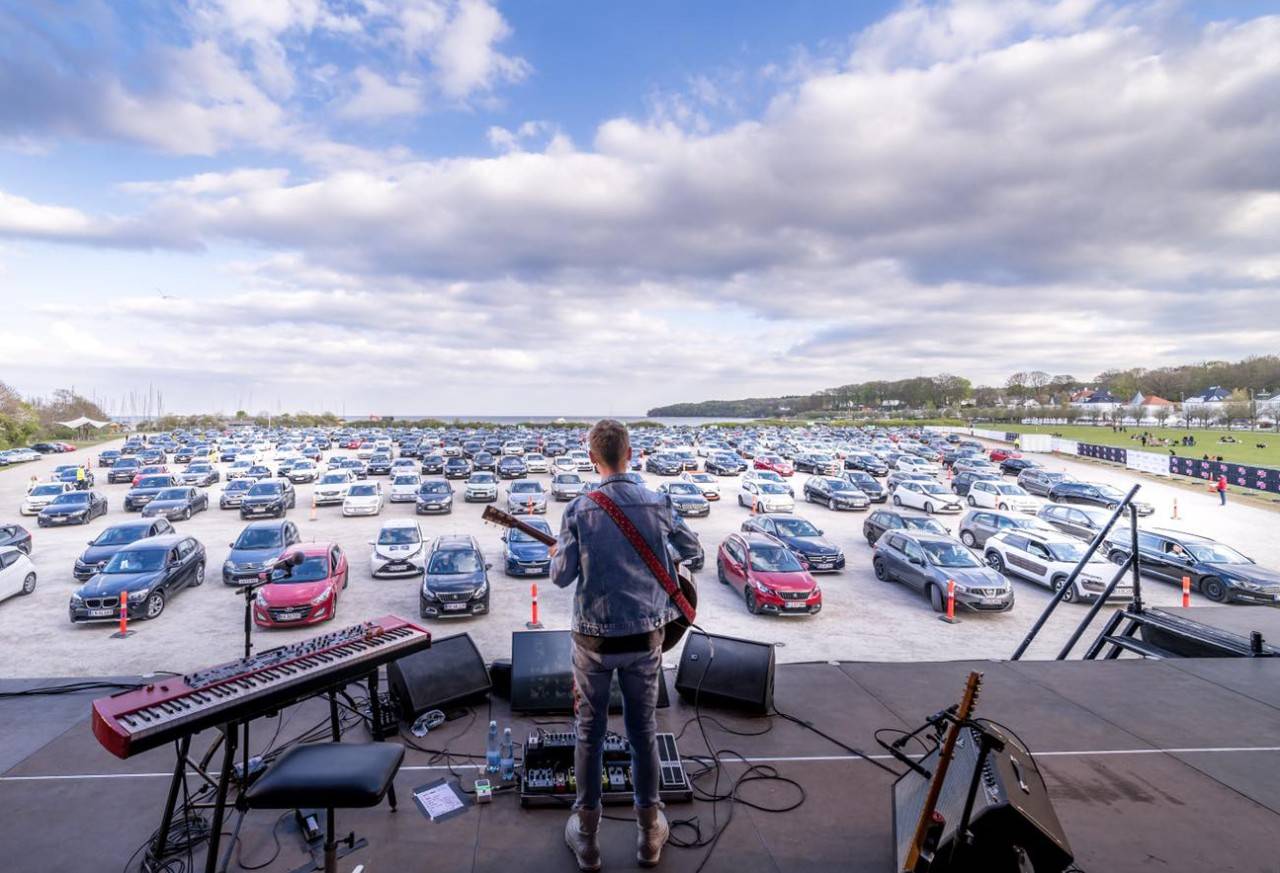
x=519 y=536
x=70 y=497
x=483 y=479
x=771 y=559
x=772 y=488
x=45 y=490
x=261 y=488
x=313 y=568
x=915 y=522
x=795 y=527
x=450 y=561
x=1216 y=553
x=260 y=538
x=119 y=536
x=406 y=480
x=334 y=479
x=568 y=478
x=526 y=488
x=172 y=494
x=949 y=555
x=932 y=488
x=1108 y=492
x=362 y=491
x=399 y=536
x=154 y=482
x=136 y=561
x=683 y=488
x=240 y=485
x=434 y=488
x=1008 y=489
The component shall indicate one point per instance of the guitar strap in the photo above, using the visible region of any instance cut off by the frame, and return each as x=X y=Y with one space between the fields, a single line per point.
x=645 y=552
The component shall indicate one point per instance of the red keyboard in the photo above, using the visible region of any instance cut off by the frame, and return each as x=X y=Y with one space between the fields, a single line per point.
x=142 y=718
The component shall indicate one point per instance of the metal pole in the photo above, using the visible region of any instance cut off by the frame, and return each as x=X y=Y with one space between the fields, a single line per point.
x=1094 y=610
x=1133 y=555
x=1071 y=580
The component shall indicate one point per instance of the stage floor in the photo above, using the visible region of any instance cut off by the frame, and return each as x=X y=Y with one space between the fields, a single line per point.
x=1169 y=766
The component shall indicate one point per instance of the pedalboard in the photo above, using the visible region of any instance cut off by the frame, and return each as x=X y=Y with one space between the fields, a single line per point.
x=548 y=778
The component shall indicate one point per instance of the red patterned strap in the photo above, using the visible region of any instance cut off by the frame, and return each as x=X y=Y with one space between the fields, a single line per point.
x=645 y=552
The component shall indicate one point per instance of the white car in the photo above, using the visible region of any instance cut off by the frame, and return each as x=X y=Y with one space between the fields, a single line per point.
x=482 y=486
x=526 y=495
x=403 y=466
x=754 y=475
x=513 y=448
x=42 y=495
x=17 y=573
x=404 y=487
x=332 y=487
x=709 y=485
x=583 y=460
x=238 y=468
x=564 y=464
x=764 y=496
x=399 y=550
x=1048 y=558
x=916 y=464
x=537 y=462
x=930 y=496
x=989 y=494
x=363 y=498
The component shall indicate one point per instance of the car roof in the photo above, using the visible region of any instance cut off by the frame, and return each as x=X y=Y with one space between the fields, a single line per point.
x=269 y=523
x=165 y=540
x=455 y=541
x=926 y=537
x=1178 y=535
x=757 y=538
x=399 y=522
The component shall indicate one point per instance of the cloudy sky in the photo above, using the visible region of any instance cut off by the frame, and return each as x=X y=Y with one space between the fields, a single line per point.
x=471 y=207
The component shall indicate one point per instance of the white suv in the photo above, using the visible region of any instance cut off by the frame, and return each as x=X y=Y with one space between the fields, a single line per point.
x=1048 y=559
x=991 y=494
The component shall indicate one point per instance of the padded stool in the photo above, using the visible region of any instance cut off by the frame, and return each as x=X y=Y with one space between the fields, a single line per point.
x=331 y=776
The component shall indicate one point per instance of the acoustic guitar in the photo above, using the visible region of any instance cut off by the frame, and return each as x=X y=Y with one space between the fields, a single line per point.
x=672 y=632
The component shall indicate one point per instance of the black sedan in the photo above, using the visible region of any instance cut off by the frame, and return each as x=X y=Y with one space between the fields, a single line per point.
x=664 y=465
x=1014 y=466
x=108 y=457
x=867 y=484
x=724 y=464
x=1094 y=494
x=17 y=536
x=432 y=464
x=1217 y=571
x=175 y=503
x=835 y=493
x=687 y=499
x=104 y=546
x=268 y=498
x=123 y=470
x=801 y=537
x=457 y=468
x=512 y=467
x=484 y=461
x=867 y=463
x=895 y=519
x=74 y=507
x=148 y=573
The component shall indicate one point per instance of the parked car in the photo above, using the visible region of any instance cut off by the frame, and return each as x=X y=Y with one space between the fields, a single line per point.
x=1015 y=466
x=41 y=495
x=817 y=463
x=867 y=484
x=1001 y=453
x=566 y=486
x=274 y=497
x=432 y=464
x=818 y=553
x=836 y=493
x=1094 y=494
x=866 y=462
x=927 y=562
x=1082 y=522
x=664 y=464
x=16 y=536
x=398 y=550
x=709 y=485
x=1038 y=481
x=773 y=462
x=526 y=495
x=150 y=572
x=481 y=486
x=104 y=546
x=512 y=467
x=234 y=493
x=174 y=503
x=201 y=474
x=363 y=498
x=893 y=519
x=304 y=587
x=980 y=524
x=123 y=470
x=962 y=482
x=332 y=487
x=990 y=494
x=897 y=477
x=930 y=496
x=434 y=495
x=1049 y=558
x=456 y=582
x=523 y=555
x=74 y=507
x=144 y=489
x=404 y=487
x=686 y=498
x=457 y=468
x=1216 y=570
x=536 y=462
x=764 y=496
x=724 y=464
x=484 y=461
x=304 y=470
x=767 y=575
x=259 y=544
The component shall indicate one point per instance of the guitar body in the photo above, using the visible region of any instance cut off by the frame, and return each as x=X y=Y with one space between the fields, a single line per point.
x=672 y=632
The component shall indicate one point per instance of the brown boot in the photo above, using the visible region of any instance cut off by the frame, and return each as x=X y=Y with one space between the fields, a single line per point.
x=652 y=835
x=581 y=833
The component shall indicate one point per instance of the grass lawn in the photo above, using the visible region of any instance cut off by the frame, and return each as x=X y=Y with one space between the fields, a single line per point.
x=1245 y=451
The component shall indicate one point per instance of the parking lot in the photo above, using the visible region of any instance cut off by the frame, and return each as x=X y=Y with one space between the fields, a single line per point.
x=862 y=618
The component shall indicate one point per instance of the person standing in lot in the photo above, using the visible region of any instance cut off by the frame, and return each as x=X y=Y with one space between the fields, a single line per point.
x=80 y=482
x=619 y=611
x=1221 y=488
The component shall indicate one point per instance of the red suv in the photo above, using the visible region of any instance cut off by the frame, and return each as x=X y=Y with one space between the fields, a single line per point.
x=1001 y=453
x=776 y=463
x=304 y=586
x=769 y=576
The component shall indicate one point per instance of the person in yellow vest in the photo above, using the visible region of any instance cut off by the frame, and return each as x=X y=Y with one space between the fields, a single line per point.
x=81 y=484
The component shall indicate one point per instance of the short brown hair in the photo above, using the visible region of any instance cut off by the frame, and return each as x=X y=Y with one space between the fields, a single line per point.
x=609 y=442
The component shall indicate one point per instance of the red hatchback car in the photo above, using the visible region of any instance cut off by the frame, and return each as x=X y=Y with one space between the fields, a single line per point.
x=768 y=575
x=305 y=592
x=1000 y=454
x=776 y=463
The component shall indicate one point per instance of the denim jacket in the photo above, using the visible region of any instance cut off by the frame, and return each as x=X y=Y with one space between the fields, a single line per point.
x=617 y=594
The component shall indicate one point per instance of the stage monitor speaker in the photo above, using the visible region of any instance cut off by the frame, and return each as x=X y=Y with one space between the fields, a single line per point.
x=500 y=675
x=726 y=672
x=542 y=674
x=449 y=672
x=1011 y=811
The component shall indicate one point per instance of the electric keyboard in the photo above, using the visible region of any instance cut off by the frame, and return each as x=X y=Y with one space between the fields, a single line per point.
x=142 y=718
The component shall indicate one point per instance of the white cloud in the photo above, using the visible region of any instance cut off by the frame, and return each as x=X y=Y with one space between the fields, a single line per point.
x=376 y=98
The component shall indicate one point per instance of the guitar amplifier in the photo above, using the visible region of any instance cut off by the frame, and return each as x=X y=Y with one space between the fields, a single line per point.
x=1011 y=811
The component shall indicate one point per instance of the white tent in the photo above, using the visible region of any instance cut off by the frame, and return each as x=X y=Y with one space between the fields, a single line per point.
x=85 y=422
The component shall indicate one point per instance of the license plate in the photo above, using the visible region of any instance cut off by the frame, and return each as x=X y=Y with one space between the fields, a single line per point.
x=288 y=616
x=398 y=566
x=797 y=604
x=454 y=607
x=991 y=601
x=101 y=613
x=433 y=506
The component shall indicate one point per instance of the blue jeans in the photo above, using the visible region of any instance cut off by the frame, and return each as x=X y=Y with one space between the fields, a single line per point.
x=638 y=677
x=1222 y=496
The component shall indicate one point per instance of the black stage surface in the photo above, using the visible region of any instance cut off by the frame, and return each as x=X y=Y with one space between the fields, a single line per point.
x=1152 y=765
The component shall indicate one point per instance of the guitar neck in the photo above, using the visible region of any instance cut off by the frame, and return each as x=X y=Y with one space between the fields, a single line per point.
x=506 y=519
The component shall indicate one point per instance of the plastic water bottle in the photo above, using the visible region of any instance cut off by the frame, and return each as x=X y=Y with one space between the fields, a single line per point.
x=508 y=758
x=491 y=751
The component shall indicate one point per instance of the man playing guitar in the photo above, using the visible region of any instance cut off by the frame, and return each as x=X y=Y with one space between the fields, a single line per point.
x=620 y=609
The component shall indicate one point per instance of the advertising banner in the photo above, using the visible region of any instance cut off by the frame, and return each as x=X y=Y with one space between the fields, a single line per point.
x=1103 y=453
x=1238 y=475
x=1148 y=462
x=1039 y=442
